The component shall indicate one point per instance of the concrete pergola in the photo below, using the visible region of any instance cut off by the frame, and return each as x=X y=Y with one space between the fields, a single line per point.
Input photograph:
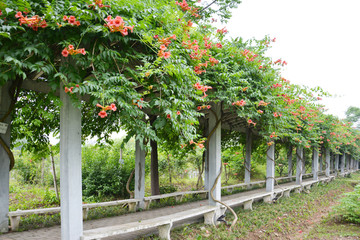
x=70 y=160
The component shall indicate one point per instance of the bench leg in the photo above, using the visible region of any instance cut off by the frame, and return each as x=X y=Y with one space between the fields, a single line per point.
x=308 y=187
x=164 y=231
x=85 y=213
x=15 y=222
x=268 y=199
x=147 y=204
x=203 y=195
x=132 y=207
x=287 y=193
x=209 y=218
x=297 y=190
x=179 y=198
x=248 y=205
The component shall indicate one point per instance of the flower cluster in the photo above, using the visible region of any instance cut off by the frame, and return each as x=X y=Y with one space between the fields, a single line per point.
x=34 y=22
x=164 y=44
x=202 y=88
x=275 y=114
x=240 y=103
x=262 y=103
x=203 y=107
x=277 y=85
x=162 y=52
x=280 y=62
x=70 y=50
x=213 y=61
x=185 y=7
x=199 y=144
x=138 y=103
x=69 y=90
x=251 y=122
x=198 y=54
x=117 y=24
x=285 y=80
x=165 y=41
x=99 y=4
x=103 y=113
x=222 y=31
x=71 y=20
x=249 y=55
x=197 y=68
x=272 y=135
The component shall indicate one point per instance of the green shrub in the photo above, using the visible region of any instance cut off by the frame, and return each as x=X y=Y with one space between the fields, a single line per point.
x=168 y=189
x=349 y=208
x=104 y=175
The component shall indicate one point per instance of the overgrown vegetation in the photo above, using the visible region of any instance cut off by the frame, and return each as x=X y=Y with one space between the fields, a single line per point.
x=349 y=208
x=287 y=217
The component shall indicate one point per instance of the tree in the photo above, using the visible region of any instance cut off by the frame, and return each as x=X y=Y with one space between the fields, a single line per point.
x=353 y=115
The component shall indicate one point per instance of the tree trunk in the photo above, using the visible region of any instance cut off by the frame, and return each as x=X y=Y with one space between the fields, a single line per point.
x=155 y=187
x=168 y=159
x=54 y=174
x=42 y=171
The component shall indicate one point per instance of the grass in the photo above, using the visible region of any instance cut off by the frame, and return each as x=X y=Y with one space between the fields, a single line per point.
x=330 y=229
x=287 y=217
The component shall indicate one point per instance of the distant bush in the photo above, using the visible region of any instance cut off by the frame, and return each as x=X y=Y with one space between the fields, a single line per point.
x=104 y=174
x=168 y=189
x=349 y=208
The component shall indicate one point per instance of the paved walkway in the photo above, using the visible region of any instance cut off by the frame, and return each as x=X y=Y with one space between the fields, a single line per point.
x=53 y=233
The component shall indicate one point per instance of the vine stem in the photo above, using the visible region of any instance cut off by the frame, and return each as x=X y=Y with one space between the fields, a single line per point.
x=218 y=176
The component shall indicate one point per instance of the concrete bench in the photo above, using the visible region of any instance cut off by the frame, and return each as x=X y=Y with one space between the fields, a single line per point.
x=16 y=215
x=131 y=203
x=178 y=196
x=308 y=185
x=163 y=224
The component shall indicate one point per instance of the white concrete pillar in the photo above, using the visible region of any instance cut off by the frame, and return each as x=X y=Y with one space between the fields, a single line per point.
x=346 y=162
x=139 y=174
x=248 y=155
x=315 y=164
x=327 y=162
x=299 y=156
x=290 y=164
x=5 y=101
x=304 y=162
x=336 y=164
x=321 y=161
x=342 y=164
x=331 y=162
x=70 y=169
x=206 y=165
x=270 y=168
x=215 y=154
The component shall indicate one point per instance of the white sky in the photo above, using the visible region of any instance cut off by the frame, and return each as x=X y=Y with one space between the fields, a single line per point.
x=320 y=40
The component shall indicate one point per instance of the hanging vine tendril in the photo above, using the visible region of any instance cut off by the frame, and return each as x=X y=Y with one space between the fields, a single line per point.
x=14 y=91
x=218 y=176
